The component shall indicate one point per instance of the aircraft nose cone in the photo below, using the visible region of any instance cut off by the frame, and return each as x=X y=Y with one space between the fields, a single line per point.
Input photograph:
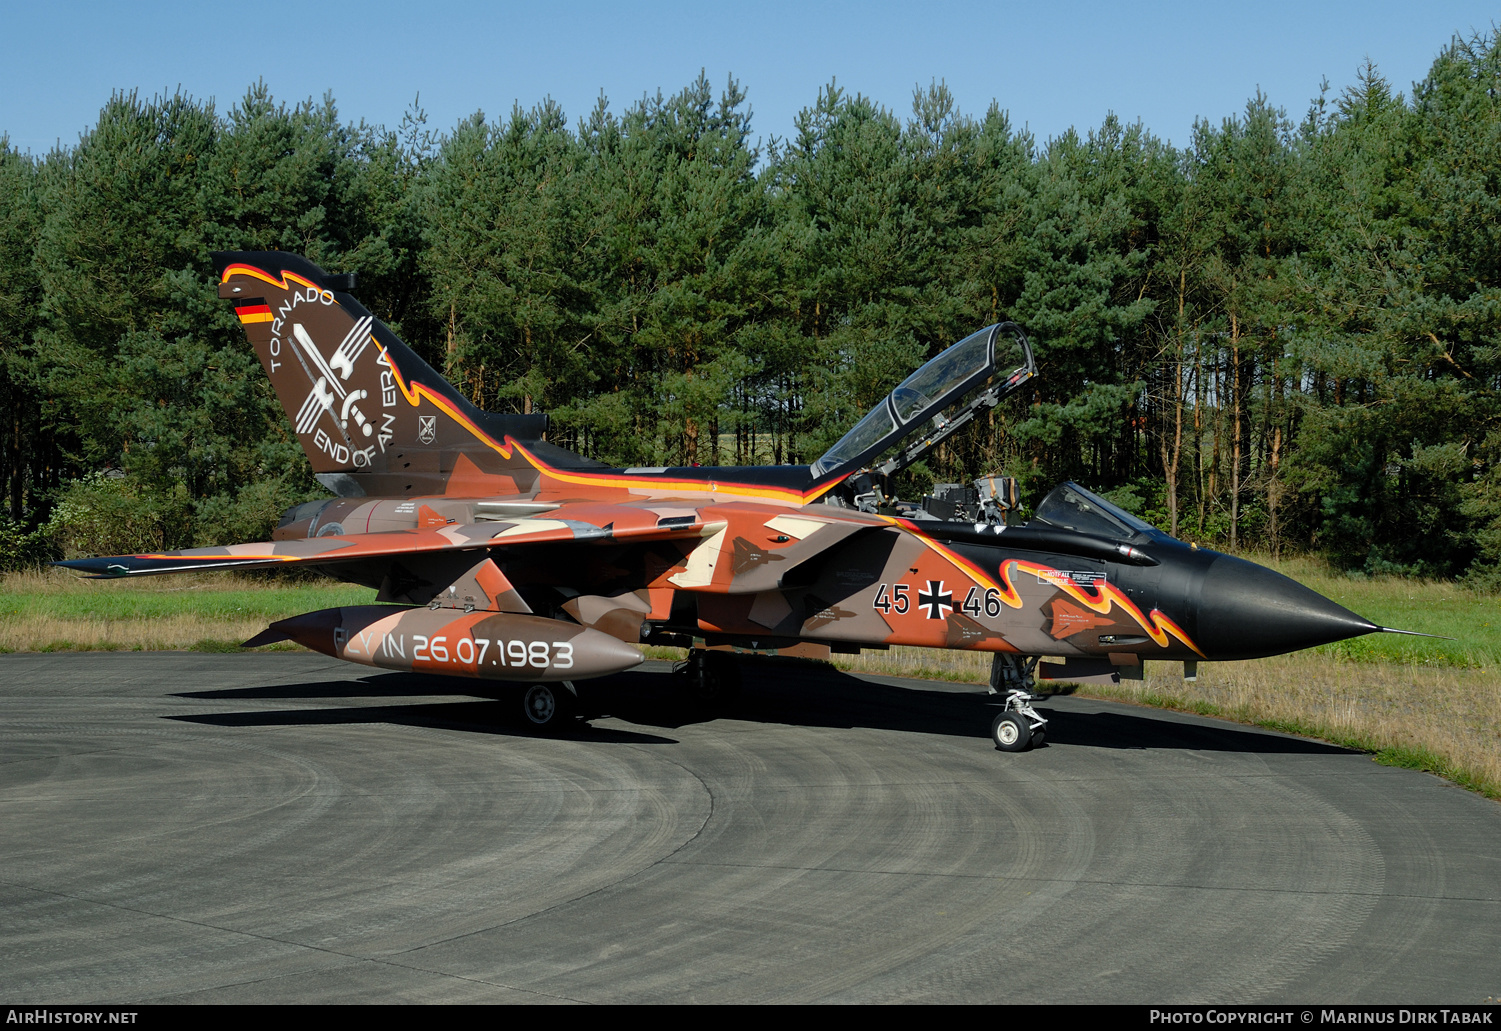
x=1248 y=611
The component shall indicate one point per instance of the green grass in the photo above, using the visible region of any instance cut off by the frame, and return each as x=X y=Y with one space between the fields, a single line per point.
x=212 y=601
x=1429 y=607
x=55 y=611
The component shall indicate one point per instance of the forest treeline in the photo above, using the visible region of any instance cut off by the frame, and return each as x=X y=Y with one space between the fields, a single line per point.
x=1282 y=335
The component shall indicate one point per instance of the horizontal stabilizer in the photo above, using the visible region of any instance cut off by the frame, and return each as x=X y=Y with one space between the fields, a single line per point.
x=336 y=550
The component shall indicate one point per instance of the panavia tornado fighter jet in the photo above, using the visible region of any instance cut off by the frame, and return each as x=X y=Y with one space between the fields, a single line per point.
x=501 y=557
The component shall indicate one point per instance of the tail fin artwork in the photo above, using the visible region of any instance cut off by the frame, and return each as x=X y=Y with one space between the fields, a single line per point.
x=374 y=418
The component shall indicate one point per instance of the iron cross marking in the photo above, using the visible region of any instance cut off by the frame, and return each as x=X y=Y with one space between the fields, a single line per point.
x=936 y=600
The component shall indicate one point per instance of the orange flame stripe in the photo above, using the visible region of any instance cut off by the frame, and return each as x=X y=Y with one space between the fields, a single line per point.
x=1104 y=596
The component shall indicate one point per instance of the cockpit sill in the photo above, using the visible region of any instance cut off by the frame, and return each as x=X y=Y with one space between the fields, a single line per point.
x=1069 y=521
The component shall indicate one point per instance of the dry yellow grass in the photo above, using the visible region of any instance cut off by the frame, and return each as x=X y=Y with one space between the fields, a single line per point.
x=925 y=663
x=173 y=633
x=1440 y=718
x=1444 y=720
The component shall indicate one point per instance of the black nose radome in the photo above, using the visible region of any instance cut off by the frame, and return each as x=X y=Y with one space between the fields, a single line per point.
x=1248 y=612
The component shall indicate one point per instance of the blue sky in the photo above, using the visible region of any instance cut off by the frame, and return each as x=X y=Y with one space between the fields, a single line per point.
x=1051 y=65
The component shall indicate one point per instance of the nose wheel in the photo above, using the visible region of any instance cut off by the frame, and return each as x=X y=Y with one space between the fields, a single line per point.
x=1018 y=727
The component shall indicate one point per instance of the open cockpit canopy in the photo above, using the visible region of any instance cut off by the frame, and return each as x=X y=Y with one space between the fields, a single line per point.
x=998 y=352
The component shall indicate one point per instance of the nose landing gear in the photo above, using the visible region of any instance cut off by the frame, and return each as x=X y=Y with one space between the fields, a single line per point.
x=1018 y=727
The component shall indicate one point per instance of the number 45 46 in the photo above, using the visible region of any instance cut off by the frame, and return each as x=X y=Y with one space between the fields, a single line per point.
x=898 y=598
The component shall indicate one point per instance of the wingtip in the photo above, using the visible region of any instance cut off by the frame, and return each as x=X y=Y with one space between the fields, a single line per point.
x=95 y=568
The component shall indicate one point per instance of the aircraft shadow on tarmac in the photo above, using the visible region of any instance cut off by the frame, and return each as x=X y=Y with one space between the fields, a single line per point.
x=791 y=694
x=486 y=716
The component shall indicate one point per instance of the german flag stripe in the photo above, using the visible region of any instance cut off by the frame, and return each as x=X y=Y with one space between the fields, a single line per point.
x=254 y=313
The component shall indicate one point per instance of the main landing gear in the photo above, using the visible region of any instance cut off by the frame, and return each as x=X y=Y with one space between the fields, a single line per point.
x=549 y=707
x=713 y=678
x=1018 y=727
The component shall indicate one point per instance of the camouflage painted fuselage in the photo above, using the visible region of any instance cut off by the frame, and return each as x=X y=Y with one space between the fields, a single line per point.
x=499 y=556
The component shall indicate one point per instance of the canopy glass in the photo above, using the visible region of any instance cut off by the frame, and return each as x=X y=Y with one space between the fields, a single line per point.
x=928 y=392
x=1071 y=507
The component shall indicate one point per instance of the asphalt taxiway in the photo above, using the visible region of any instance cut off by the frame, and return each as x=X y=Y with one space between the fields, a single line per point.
x=286 y=828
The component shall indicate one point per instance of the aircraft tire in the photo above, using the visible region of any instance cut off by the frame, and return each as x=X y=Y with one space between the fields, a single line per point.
x=723 y=678
x=546 y=706
x=1011 y=732
x=712 y=679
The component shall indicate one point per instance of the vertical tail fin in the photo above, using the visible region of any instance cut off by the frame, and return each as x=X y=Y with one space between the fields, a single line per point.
x=372 y=416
